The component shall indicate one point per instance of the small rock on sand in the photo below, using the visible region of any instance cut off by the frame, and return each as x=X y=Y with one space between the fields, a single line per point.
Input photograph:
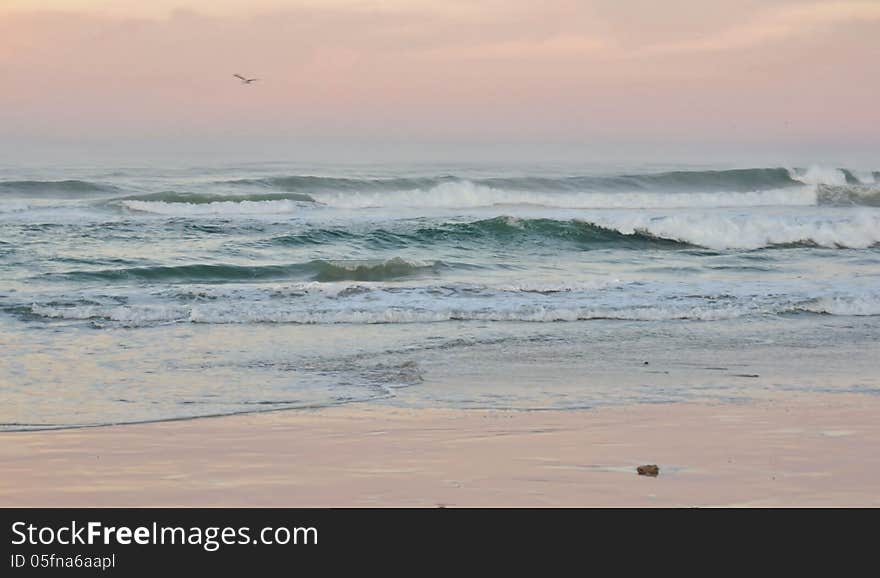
x=649 y=470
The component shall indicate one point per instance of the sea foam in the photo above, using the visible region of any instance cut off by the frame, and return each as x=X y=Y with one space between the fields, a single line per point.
x=752 y=231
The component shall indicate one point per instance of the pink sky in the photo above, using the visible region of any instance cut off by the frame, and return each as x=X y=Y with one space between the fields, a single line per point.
x=778 y=71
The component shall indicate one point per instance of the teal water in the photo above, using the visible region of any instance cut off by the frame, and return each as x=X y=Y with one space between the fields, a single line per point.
x=133 y=294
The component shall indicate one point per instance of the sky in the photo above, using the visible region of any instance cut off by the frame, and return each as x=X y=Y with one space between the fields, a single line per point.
x=353 y=77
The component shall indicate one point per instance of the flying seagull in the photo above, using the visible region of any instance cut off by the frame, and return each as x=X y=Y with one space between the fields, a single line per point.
x=245 y=80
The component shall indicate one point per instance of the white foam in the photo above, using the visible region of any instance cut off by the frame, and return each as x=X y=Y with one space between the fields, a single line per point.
x=273 y=207
x=416 y=289
x=127 y=315
x=818 y=175
x=392 y=310
x=466 y=194
x=424 y=301
x=855 y=306
x=865 y=177
x=752 y=231
x=256 y=313
x=569 y=287
x=377 y=303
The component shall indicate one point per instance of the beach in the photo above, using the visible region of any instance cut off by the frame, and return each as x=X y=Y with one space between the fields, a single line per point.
x=787 y=450
x=464 y=335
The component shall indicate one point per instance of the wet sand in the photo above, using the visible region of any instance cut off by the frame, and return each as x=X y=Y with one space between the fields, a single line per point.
x=797 y=450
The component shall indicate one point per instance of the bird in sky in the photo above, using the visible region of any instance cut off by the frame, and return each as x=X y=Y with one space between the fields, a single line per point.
x=245 y=80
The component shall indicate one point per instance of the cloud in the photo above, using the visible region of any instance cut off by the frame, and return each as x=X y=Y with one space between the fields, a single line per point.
x=774 y=25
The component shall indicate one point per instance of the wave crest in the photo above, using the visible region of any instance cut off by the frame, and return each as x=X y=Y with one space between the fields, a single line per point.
x=52 y=188
x=621 y=231
x=381 y=304
x=715 y=231
x=732 y=180
x=317 y=270
x=190 y=198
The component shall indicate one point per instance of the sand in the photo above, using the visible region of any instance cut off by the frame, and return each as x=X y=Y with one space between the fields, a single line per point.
x=797 y=450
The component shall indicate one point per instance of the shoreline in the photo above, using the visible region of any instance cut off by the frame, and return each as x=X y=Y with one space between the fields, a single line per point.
x=796 y=449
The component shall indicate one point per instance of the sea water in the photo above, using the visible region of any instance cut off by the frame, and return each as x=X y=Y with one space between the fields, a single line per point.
x=132 y=294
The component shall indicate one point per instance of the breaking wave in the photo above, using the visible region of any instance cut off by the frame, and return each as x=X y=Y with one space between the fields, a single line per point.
x=850 y=306
x=741 y=180
x=679 y=189
x=618 y=230
x=502 y=230
x=348 y=303
x=190 y=198
x=469 y=194
x=263 y=313
x=842 y=196
x=215 y=208
x=753 y=231
x=762 y=186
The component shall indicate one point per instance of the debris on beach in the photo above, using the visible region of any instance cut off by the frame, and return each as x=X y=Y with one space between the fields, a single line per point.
x=649 y=470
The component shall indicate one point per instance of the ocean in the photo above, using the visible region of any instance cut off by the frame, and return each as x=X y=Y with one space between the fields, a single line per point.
x=131 y=294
